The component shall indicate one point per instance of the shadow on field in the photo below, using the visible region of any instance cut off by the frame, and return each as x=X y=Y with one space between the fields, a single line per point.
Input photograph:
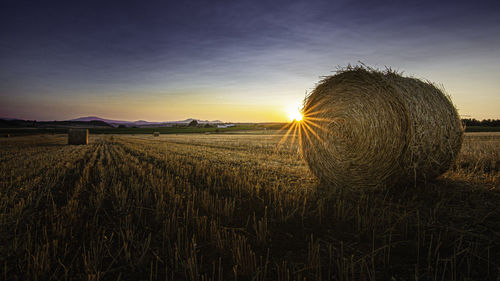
x=449 y=192
x=441 y=190
x=443 y=228
x=444 y=200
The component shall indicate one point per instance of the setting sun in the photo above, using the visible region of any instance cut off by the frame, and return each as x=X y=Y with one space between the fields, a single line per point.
x=294 y=113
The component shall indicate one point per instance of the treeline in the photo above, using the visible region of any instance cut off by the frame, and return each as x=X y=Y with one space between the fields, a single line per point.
x=16 y=123
x=483 y=123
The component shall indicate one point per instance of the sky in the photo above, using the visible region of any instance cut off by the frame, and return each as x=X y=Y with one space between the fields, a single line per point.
x=239 y=61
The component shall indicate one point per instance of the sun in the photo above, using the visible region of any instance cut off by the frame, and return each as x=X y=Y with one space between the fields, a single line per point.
x=294 y=113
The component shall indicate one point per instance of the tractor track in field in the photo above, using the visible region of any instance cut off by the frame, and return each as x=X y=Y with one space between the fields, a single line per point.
x=264 y=160
x=38 y=164
x=46 y=177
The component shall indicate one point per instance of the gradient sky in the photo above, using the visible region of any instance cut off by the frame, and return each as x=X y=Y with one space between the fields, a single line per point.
x=233 y=60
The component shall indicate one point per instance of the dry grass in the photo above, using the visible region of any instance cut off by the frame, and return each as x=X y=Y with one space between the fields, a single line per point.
x=220 y=207
x=367 y=128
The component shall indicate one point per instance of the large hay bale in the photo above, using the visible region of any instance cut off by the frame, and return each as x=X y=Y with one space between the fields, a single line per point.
x=78 y=136
x=367 y=128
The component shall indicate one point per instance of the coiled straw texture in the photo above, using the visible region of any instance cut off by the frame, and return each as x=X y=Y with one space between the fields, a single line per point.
x=369 y=128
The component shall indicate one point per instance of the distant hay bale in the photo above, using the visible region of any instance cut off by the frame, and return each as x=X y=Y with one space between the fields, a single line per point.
x=156 y=134
x=368 y=128
x=78 y=136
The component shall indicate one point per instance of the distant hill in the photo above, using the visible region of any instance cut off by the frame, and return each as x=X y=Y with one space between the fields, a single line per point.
x=95 y=118
x=96 y=122
x=143 y=123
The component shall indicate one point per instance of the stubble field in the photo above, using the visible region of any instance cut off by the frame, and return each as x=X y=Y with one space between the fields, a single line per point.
x=235 y=207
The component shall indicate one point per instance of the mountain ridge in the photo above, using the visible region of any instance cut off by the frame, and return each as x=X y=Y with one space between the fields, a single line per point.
x=143 y=122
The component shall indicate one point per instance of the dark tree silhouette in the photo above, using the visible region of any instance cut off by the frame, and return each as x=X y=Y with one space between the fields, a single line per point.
x=482 y=123
x=193 y=123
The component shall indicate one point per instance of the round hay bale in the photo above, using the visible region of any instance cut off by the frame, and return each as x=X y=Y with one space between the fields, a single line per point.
x=78 y=136
x=367 y=128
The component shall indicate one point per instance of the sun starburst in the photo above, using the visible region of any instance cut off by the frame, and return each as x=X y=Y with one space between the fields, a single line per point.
x=303 y=125
x=294 y=113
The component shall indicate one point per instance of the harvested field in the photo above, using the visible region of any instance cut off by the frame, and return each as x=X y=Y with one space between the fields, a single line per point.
x=235 y=207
